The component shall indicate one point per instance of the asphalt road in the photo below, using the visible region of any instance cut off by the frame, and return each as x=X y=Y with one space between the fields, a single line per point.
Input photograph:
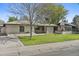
x=71 y=51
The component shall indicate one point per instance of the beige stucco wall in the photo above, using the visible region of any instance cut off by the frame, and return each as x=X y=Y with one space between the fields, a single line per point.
x=16 y=29
x=12 y=29
x=27 y=28
x=50 y=29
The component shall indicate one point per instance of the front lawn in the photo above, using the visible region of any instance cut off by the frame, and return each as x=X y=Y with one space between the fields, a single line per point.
x=48 y=38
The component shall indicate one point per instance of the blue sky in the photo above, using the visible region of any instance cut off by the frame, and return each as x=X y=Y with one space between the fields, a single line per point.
x=73 y=9
x=4 y=13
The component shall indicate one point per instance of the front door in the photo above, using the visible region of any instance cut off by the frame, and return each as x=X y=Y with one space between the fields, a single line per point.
x=21 y=28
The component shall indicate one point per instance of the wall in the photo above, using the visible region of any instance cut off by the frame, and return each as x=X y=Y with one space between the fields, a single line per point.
x=50 y=29
x=67 y=32
x=12 y=29
x=27 y=28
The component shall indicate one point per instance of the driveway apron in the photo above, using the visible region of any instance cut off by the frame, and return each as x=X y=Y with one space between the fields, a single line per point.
x=9 y=41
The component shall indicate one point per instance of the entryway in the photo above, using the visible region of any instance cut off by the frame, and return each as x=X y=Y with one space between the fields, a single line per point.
x=40 y=29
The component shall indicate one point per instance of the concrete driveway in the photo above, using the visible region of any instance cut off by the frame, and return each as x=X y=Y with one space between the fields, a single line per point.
x=9 y=41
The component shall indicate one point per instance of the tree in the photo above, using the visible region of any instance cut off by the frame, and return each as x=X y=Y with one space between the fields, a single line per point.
x=12 y=19
x=26 y=9
x=76 y=21
x=34 y=12
x=53 y=12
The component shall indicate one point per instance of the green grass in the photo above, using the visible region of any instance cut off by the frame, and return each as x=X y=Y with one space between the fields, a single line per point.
x=48 y=38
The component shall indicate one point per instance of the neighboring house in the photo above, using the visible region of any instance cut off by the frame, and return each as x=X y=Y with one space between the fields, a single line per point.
x=24 y=27
x=65 y=27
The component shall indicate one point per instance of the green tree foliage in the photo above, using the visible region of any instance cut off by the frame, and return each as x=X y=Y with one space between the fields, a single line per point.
x=53 y=12
x=76 y=19
x=12 y=19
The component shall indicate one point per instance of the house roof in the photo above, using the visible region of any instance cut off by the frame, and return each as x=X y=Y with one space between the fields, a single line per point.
x=18 y=22
x=72 y=24
x=45 y=24
x=27 y=22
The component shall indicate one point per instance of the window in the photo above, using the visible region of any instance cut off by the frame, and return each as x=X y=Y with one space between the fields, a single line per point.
x=21 y=28
x=68 y=28
x=37 y=28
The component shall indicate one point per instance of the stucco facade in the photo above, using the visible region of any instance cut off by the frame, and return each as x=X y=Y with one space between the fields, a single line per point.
x=24 y=27
x=14 y=29
x=50 y=29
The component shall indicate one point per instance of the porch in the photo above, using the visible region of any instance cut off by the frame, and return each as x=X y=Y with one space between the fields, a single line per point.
x=40 y=29
x=44 y=29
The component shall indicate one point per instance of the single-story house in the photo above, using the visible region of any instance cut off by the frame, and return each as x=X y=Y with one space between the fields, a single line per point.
x=65 y=27
x=24 y=27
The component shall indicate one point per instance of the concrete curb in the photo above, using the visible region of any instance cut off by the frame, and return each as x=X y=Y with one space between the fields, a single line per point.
x=20 y=42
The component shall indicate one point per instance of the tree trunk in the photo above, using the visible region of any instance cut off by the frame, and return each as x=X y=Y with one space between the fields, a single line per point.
x=30 y=29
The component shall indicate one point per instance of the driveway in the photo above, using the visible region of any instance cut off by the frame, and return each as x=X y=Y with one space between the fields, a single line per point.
x=9 y=41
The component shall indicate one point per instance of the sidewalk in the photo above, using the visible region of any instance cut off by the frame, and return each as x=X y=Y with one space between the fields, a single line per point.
x=28 y=34
x=37 y=49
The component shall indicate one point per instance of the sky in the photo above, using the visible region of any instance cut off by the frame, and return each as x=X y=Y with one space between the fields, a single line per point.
x=4 y=11
x=73 y=9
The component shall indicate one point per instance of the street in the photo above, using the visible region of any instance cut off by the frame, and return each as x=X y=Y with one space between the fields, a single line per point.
x=67 y=48
x=71 y=51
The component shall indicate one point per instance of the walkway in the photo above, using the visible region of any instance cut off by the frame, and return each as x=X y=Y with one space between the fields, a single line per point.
x=9 y=42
